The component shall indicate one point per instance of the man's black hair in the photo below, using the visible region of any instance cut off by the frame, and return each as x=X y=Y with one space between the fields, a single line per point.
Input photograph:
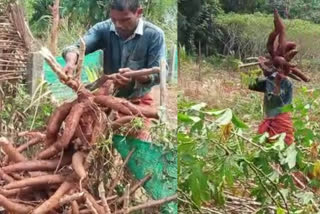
x=121 y=5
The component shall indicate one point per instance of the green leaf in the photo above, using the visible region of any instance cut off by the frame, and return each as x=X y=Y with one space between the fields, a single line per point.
x=279 y=144
x=280 y=211
x=304 y=89
x=211 y=187
x=305 y=197
x=287 y=108
x=299 y=124
x=308 y=106
x=198 y=107
x=184 y=118
x=186 y=148
x=218 y=194
x=274 y=176
x=187 y=159
x=306 y=134
x=215 y=112
x=261 y=138
x=225 y=118
x=197 y=126
x=315 y=183
x=285 y=193
x=198 y=184
x=195 y=119
x=264 y=137
x=181 y=137
x=291 y=156
x=238 y=123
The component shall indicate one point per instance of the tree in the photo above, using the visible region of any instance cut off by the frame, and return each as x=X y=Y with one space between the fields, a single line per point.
x=89 y=12
x=305 y=9
x=188 y=12
x=196 y=24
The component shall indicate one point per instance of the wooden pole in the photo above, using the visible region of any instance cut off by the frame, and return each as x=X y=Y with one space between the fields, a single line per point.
x=1 y=104
x=249 y=64
x=199 y=77
x=171 y=65
x=174 y=64
x=178 y=52
x=207 y=50
x=163 y=76
x=55 y=27
x=34 y=72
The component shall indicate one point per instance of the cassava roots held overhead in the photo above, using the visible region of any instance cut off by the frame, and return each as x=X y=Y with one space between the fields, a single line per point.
x=282 y=52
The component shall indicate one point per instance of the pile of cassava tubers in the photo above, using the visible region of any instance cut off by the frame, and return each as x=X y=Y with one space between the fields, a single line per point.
x=281 y=52
x=55 y=179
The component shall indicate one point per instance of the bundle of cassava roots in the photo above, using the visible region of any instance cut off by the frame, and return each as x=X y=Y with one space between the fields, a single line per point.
x=55 y=179
x=282 y=52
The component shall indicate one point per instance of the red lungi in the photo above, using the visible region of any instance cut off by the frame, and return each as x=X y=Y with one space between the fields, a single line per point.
x=282 y=123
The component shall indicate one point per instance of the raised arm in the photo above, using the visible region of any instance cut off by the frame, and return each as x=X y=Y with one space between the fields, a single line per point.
x=259 y=85
x=93 y=42
x=265 y=66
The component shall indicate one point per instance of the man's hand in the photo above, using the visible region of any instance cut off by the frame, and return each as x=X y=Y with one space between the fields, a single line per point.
x=119 y=79
x=69 y=69
x=71 y=59
x=140 y=79
x=262 y=64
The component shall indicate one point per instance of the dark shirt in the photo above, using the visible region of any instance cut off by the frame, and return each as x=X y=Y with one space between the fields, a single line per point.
x=273 y=103
x=144 y=49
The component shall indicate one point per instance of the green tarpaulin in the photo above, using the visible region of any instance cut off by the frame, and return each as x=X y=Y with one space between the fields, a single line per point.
x=149 y=158
x=61 y=91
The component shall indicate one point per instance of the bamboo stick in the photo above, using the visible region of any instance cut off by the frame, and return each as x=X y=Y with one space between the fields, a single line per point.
x=11 y=61
x=3 y=60
x=11 y=41
x=13 y=65
x=149 y=204
x=11 y=71
x=249 y=64
x=13 y=54
x=10 y=78
x=136 y=186
x=12 y=34
x=115 y=181
x=11 y=48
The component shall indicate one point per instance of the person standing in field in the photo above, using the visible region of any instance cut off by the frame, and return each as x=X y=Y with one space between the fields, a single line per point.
x=128 y=43
x=277 y=89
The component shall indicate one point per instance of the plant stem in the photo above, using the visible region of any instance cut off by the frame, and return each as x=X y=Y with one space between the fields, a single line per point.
x=255 y=169
x=262 y=184
x=249 y=141
x=190 y=200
